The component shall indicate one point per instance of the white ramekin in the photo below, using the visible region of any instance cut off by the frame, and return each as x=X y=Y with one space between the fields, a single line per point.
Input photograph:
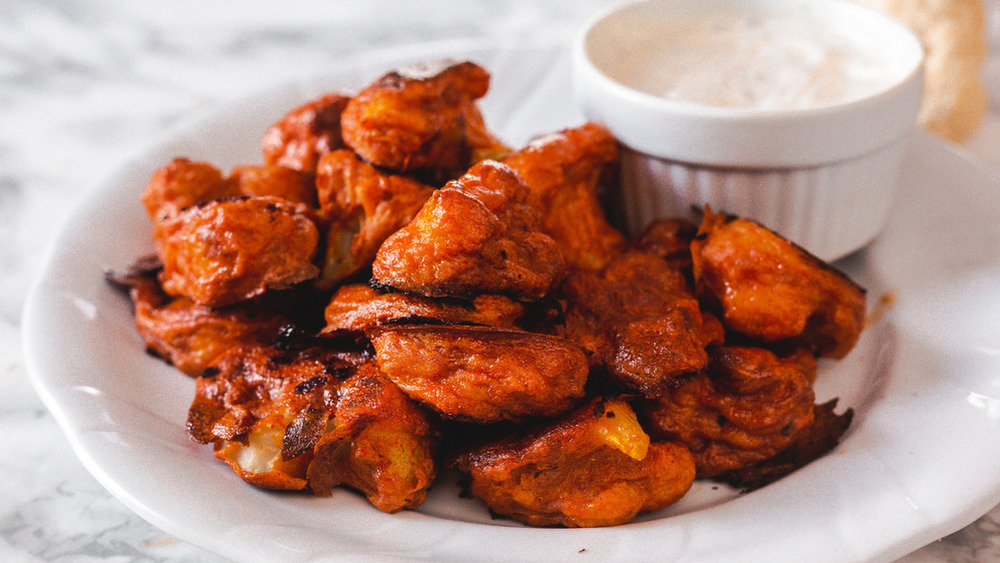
x=821 y=176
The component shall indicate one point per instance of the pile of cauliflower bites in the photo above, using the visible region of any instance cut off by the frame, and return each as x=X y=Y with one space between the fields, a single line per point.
x=395 y=291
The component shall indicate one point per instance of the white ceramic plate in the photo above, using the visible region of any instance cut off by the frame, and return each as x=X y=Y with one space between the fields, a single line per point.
x=922 y=458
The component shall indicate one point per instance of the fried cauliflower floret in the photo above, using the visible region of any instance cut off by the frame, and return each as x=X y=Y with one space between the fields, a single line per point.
x=593 y=467
x=565 y=172
x=478 y=234
x=226 y=251
x=379 y=443
x=362 y=206
x=771 y=290
x=189 y=336
x=639 y=321
x=422 y=117
x=304 y=135
x=272 y=180
x=291 y=420
x=359 y=307
x=247 y=402
x=812 y=443
x=748 y=406
x=182 y=183
x=482 y=374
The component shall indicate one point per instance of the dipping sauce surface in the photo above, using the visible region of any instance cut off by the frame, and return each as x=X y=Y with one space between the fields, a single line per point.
x=774 y=61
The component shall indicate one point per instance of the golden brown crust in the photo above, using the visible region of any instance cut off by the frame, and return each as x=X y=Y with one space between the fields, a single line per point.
x=478 y=234
x=565 y=172
x=305 y=134
x=482 y=374
x=362 y=206
x=771 y=290
x=420 y=117
x=182 y=183
x=747 y=407
x=593 y=467
x=226 y=251
x=637 y=319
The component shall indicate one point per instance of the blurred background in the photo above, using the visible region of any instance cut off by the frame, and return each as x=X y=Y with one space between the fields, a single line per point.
x=86 y=84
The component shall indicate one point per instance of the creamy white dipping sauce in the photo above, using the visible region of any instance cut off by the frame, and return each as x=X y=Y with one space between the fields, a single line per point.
x=772 y=62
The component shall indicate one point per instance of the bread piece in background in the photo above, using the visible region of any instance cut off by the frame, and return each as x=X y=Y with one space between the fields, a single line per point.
x=955 y=99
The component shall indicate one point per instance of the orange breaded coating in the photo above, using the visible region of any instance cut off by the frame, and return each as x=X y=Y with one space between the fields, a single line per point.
x=189 y=336
x=381 y=444
x=295 y=419
x=638 y=320
x=565 y=172
x=183 y=183
x=747 y=406
x=478 y=234
x=593 y=467
x=247 y=405
x=363 y=206
x=482 y=374
x=222 y=252
x=359 y=307
x=422 y=117
x=305 y=134
x=769 y=289
x=278 y=181
x=812 y=443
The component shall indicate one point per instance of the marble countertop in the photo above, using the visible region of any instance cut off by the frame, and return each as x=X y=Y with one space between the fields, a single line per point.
x=83 y=84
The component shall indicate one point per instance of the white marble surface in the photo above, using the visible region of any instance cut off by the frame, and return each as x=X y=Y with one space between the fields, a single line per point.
x=83 y=84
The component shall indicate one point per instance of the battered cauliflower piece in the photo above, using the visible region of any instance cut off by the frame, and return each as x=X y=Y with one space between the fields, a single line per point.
x=748 y=406
x=478 y=234
x=292 y=420
x=422 y=117
x=771 y=290
x=379 y=443
x=226 y=251
x=246 y=402
x=359 y=307
x=362 y=206
x=182 y=183
x=593 y=467
x=638 y=320
x=565 y=172
x=482 y=374
x=304 y=135
x=189 y=336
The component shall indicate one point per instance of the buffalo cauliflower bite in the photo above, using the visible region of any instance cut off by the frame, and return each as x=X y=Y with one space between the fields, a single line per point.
x=304 y=135
x=638 y=321
x=747 y=406
x=422 y=117
x=771 y=290
x=190 y=336
x=478 y=234
x=231 y=250
x=362 y=207
x=291 y=420
x=482 y=374
x=182 y=183
x=565 y=172
x=378 y=442
x=593 y=467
